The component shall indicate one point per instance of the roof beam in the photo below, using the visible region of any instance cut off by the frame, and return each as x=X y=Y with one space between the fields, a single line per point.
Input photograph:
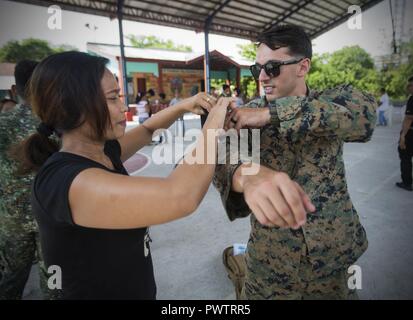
x=324 y=7
x=172 y=6
x=194 y=5
x=337 y=5
x=269 y=16
x=247 y=12
x=215 y=11
x=289 y=13
x=313 y=11
x=342 y=18
x=221 y=15
x=188 y=15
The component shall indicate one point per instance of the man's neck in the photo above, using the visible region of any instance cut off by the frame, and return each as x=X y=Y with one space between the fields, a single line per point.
x=300 y=91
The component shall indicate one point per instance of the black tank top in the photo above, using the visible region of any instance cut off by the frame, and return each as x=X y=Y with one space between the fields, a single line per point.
x=94 y=263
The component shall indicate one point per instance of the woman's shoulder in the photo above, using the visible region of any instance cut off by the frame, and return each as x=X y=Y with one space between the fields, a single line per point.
x=51 y=185
x=58 y=167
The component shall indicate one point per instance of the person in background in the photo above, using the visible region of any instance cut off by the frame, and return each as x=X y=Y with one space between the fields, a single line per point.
x=214 y=92
x=162 y=104
x=150 y=94
x=175 y=99
x=406 y=142
x=142 y=107
x=19 y=234
x=180 y=120
x=149 y=97
x=238 y=97
x=384 y=106
x=226 y=91
x=7 y=104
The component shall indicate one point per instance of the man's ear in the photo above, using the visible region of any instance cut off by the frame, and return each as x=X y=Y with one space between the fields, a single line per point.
x=304 y=67
x=13 y=90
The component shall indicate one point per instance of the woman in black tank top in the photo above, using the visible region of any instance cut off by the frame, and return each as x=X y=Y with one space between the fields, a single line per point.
x=93 y=230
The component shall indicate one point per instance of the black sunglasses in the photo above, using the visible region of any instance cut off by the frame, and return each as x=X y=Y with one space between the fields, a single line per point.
x=271 y=68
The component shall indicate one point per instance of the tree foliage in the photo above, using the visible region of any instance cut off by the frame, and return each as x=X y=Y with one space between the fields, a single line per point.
x=350 y=65
x=248 y=51
x=34 y=49
x=156 y=43
x=395 y=77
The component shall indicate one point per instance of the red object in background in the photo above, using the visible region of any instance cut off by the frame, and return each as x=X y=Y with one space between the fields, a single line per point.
x=132 y=110
x=129 y=116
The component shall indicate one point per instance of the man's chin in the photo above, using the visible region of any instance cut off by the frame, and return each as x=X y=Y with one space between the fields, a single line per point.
x=271 y=97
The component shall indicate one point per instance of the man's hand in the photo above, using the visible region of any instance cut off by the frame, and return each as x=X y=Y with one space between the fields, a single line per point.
x=274 y=198
x=402 y=143
x=247 y=118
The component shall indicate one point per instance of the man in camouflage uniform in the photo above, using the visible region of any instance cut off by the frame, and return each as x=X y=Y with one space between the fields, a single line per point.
x=19 y=241
x=302 y=134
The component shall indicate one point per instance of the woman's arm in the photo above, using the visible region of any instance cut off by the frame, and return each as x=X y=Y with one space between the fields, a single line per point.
x=140 y=136
x=100 y=199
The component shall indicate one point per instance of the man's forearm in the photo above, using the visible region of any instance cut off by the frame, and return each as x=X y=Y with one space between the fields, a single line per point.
x=407 y=122
x=238 y=178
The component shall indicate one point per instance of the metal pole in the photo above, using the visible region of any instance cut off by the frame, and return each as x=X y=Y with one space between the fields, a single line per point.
x=206 y=65
x=122 y=53
x=393 y=29
x=206 y=56
x=208 y=23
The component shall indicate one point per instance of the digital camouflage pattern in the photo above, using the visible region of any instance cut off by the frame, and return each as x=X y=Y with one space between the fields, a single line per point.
x=19 y=242
x=305 y=140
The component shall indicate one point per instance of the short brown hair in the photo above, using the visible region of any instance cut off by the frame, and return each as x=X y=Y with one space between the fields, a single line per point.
x=289 y=36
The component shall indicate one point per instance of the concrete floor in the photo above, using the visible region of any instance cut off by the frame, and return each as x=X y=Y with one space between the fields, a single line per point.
x=187 y=253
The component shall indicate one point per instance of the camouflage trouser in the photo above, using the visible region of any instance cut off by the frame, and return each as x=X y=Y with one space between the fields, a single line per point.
x=278 y=268
x=19 y=249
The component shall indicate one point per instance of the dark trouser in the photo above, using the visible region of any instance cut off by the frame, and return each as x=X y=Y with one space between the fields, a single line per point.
x=406 y=159
x=17 y=255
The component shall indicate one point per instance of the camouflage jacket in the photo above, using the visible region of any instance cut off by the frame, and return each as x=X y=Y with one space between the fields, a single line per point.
x=15 y=125
x=305 y=140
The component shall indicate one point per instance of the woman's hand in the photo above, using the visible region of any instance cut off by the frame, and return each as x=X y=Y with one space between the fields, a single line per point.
x=218 y=112
x=198 y=103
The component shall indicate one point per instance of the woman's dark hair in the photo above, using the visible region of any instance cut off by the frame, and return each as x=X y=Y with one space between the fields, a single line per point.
x=22 y=73
x=290 y=36
x=65 y=91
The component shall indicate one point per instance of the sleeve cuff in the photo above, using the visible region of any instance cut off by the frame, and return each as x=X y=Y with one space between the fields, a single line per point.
x=233 y=202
